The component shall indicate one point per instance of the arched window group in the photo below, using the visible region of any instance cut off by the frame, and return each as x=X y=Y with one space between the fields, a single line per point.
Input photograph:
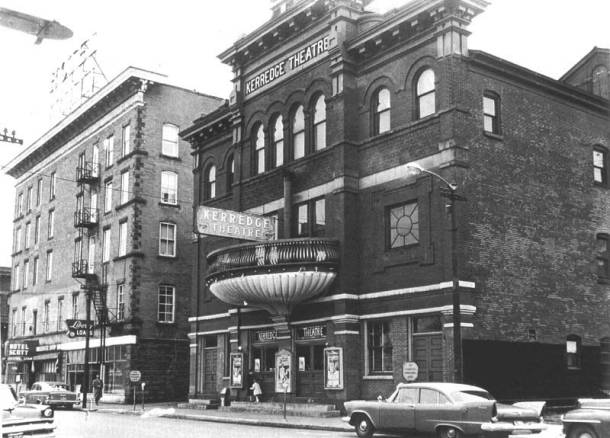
x=209 y=182
x=278 y=152
x=425 y=102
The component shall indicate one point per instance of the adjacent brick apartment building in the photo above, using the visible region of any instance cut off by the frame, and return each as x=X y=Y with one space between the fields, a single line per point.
x=103 y=204
x=350 y=129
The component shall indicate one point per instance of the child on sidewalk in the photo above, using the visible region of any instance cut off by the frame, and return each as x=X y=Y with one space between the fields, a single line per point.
x=256 y=390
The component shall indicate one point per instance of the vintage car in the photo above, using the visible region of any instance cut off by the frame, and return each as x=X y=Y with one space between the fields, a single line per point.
x=54 y=394
x=19 y=419
x=590 y=420
x=448 y=410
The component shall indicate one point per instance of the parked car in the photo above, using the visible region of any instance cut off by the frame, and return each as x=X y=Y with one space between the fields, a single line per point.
x=19 y=419
x=590 y=420
x=55 y=394
x=449 y=410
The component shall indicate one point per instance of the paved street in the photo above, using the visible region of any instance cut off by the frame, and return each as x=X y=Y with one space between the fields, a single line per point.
x=77 y=424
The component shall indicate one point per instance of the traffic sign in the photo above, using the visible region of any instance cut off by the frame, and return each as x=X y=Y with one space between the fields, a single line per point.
x=135 y=376
x=410 y=371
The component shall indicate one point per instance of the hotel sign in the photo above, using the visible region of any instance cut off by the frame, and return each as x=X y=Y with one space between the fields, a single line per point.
x=22 y=349
x=227 y=223
x=288 y=66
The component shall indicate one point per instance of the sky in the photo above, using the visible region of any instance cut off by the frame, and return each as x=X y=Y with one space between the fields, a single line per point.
x=182 y=39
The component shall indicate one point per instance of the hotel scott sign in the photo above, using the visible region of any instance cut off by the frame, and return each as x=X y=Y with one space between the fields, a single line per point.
x=227 y=223
x=295 y=62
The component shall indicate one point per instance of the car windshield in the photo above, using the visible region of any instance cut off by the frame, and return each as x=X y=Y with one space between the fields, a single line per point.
x=471 y=396
x=8 y=400
x=52 y=386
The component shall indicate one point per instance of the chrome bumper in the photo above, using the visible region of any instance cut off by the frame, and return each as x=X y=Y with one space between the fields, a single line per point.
x=512 y=427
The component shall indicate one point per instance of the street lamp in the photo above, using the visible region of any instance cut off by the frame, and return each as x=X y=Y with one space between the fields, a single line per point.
x=457 y=317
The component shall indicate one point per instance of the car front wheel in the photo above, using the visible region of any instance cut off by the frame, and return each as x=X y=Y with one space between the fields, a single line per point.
x=364 y=428
x=449 y=432
x=582 y=431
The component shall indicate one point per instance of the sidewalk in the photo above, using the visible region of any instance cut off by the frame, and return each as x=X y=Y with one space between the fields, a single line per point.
x=169 y=410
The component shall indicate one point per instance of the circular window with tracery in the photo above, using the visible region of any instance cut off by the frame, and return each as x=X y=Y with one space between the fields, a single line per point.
x=404 y=225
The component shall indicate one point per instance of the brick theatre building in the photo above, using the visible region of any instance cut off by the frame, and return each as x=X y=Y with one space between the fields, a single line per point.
x=412 y=185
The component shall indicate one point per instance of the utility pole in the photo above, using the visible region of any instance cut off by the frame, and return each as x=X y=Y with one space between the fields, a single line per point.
x=85 y=387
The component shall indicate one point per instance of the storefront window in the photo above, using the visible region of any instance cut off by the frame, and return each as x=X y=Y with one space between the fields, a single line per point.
x=379 y=346
x=265 y=356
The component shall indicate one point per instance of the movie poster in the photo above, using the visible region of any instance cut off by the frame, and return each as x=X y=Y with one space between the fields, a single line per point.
x=237 y=370
x=333 y=368
x=283 y=371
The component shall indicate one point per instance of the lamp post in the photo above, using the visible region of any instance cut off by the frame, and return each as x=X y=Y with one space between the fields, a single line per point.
x=457 y=317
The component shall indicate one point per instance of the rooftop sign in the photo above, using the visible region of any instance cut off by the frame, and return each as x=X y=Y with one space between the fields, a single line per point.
x=227 y=223
x=295 y=62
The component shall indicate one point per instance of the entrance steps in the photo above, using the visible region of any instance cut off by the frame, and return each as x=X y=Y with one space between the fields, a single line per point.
x=277 y=408
x=201 y=403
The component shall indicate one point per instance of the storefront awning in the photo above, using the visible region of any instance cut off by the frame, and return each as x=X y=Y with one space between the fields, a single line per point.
x=46 y=356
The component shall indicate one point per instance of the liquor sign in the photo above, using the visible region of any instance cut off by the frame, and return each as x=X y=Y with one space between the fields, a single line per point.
x=312 y=332
x=78 y=328
x=228 y=223
x=333 y=368
x=294 y=62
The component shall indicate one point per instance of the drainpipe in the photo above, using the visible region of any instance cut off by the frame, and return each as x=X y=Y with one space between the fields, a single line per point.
x=287 y=205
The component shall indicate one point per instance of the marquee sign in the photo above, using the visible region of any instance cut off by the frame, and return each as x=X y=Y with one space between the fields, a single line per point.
x=288 y=66
x=227 y=223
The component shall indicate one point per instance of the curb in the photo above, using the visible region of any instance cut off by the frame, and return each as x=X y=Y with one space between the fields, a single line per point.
x=246 y=421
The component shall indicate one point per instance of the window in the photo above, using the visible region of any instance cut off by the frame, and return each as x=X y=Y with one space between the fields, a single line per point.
x=169 y=187
x=45 y=317
x=169 y=141
x=51 y=224
x=93 y=206
x=23 y=320
x=108 y=197
x=407 y=395
x=17 y=247
x=122 y=238
x=36 y=230
x=602 y=256
x=91 y=256
x=432 y=397
x=298 y=133
x=28 y=231
x=34 y=322
x=491 y=113
x=52 y=185
x=49 y=272
x=403 y=225
x=311 y=218
x=17 y=279
x=28 y=200
x=14 y=321
x=95 y=160
x=26 y=273
x=573 y=353
x=124 y=187
x=19 y=206
x=166 y=303
x=209 y=184
x=109 y=150
x=106 y=245
x=126 y=140
x=38 y=191
x=278 y=141
x=259 y=150
x=319 y=124
x=230 y=172
x=167 y=239
x=379 y=346
x=35 y=271
x=120 y=302
x=426 y=95
x=60 y=313
x=381 y=111
x=427 y=324
x=600 y=171
x=75 y=306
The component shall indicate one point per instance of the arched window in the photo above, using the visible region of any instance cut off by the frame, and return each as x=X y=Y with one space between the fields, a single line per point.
x=209 y=184
x=426 y=96
x=381 y=111
x=230 y=172
x=278 y=141
x=319 y=123
x=298 y=133
x=259 y=150
x=599 y=81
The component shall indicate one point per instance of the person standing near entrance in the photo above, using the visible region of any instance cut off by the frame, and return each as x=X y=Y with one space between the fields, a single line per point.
x=256 y=390
x=98 y=386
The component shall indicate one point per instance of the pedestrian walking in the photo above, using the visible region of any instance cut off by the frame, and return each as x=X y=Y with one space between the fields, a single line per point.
x=98 y=387
x=256 y=390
